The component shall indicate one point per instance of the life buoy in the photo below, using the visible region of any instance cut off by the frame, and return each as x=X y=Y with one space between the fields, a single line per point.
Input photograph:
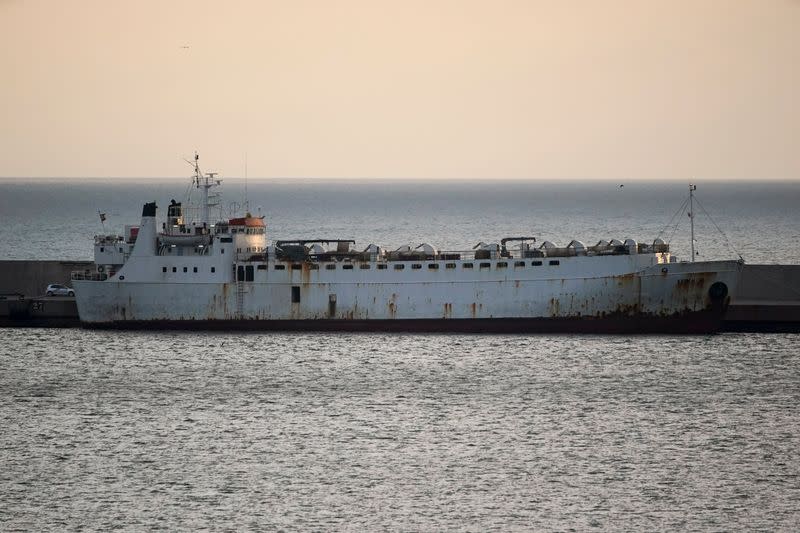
x=100 y=268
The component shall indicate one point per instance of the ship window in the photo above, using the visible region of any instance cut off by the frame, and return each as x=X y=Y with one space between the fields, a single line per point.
x=102 y=249
x=295 y=294
x=416 y=266
x=297 y=266
x=347 y=267
x=433 y=266
x=222 y=251
x=536 y=263
x=555 y=262
x=468 y=265
x=174 y=269
x=248 y=273
x=502 y=264
x=194 y=269
x=262 y=267
x=330 y=267
x=226 y=239
x=313 y=266
x=449 y=265
x=163 y=269
x=185 y=269
x=364 y=267
x=121 y=278
x=120 y=250
x=381 y=266
x=519 y=264
x=213 y=269
x=485 y=265
x=399 y=267
x=280 y=267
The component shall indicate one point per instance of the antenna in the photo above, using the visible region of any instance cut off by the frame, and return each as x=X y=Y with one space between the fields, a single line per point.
x=692 y=188
x=204 y=182
x=246 y=203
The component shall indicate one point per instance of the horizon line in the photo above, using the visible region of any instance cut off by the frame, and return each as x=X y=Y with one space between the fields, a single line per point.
x=622 y=180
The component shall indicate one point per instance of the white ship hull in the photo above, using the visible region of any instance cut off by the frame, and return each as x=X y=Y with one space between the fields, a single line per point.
x=626 y=296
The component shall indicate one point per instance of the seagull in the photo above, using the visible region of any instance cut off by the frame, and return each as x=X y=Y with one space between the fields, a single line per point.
x=621 y=185
x=185 y=46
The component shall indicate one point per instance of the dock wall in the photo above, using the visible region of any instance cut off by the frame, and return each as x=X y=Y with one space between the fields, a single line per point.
x=30 y=278
x=768 y=299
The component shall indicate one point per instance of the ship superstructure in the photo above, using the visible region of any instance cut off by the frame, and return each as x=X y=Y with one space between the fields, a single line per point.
x=227 y=275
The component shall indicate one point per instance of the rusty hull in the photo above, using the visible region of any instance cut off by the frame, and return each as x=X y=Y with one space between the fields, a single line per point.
x=666 y=298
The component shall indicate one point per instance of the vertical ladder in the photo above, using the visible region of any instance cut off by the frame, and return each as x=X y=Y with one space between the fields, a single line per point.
x=239 y=298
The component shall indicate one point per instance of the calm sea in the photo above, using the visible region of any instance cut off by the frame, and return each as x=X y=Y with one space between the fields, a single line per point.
x=187 y=431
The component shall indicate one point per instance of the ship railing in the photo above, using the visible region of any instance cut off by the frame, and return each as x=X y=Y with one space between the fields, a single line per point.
x=87 y=275
x=451 y=255
x=106 y=239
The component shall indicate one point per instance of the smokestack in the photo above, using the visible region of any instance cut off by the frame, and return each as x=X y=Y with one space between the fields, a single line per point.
x=146 y=240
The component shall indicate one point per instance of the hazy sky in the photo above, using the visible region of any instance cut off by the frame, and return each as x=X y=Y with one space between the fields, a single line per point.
x=615 y=89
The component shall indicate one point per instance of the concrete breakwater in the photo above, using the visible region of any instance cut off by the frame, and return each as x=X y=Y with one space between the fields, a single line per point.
x=768 y=298
x=22 y=293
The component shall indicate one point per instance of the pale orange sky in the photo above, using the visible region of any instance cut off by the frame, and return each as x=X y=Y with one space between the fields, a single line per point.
x=614 y=89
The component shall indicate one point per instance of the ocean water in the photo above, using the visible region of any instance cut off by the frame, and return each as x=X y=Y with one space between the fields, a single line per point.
x=186 y=431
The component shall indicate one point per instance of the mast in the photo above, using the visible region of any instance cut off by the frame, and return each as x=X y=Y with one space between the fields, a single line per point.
x=205 y=182
x=692 y=188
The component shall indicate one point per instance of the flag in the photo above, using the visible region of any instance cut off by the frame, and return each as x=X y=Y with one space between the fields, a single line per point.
x=102 y=216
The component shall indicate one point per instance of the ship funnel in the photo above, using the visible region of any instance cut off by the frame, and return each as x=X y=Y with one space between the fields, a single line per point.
x=146 y=240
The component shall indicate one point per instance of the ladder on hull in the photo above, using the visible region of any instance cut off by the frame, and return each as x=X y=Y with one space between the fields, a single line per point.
x=239 y=298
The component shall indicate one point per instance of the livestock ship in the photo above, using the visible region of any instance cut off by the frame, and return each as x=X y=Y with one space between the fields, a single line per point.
x=226 y=275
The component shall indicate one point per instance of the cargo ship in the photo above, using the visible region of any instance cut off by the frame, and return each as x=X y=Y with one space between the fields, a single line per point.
x=225 y=274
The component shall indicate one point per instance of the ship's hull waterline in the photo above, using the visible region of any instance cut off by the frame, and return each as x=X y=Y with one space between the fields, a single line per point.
x=661 y=298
